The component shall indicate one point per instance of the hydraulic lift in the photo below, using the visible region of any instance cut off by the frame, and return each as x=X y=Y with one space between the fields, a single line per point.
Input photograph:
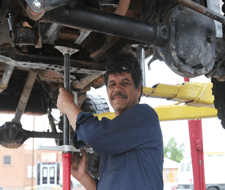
x=67 y=148
x=197 y=153
x=67 y=151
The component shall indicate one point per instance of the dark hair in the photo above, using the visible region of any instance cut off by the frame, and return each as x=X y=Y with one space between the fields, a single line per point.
x=125 y=63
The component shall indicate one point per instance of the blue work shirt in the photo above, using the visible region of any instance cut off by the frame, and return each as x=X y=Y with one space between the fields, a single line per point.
x=131 y=146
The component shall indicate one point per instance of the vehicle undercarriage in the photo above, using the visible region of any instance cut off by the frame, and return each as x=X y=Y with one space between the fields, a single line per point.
x=182 y=33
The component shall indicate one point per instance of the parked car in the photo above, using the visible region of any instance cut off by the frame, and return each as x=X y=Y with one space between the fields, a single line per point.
x=175 y=186
x=214 y=173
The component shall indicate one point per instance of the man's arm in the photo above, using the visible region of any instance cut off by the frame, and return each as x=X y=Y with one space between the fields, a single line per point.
x=138 y=127
x=66 y=105
x=88 y=182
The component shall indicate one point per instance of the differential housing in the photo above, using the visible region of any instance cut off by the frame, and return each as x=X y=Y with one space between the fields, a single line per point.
x=191 y=50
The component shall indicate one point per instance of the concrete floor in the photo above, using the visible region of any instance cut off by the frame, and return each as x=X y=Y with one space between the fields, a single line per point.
x=167 y=186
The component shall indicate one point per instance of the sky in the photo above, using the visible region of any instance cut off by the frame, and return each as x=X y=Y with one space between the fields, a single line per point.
x=213 y=133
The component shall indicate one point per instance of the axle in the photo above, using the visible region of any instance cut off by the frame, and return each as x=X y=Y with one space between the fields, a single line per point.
x=107 y=23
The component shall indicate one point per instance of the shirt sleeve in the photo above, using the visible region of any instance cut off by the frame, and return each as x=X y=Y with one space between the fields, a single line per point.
x=135 y=128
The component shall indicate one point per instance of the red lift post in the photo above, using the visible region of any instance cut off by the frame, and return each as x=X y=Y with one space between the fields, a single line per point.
x=66 y=171
x=197 y=153
x=66 y=155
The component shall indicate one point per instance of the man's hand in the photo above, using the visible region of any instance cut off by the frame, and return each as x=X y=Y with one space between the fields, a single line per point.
x=66 y=105
x=79 y=170
x=79 y=165
x=65 y=99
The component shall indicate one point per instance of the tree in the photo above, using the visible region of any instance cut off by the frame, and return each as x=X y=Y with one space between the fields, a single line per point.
x=173 y=151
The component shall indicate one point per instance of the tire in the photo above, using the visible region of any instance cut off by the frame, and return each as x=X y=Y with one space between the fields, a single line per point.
x=93 y=164
x=218 y=91
x=212 y=188
x=94 y=104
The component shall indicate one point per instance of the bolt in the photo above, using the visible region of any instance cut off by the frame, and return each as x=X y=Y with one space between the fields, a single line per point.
x=173 y=47
x=45 y=37
x=207 y=68
x=163 y=33
x=181 y=53
x=174 y=54
x=173 y=19
x=209 y=39
x=36 y=4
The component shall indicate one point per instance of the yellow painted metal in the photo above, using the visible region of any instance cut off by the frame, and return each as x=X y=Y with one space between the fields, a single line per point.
x=108 y=115
x=209 y=153
x=197 y=97
x=193 y=94
x=176 y=112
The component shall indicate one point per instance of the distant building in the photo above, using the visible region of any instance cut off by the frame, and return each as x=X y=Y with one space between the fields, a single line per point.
x=170 y=170
x=16 y=168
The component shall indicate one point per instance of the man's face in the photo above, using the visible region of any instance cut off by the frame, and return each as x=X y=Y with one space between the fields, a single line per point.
x=122 y=92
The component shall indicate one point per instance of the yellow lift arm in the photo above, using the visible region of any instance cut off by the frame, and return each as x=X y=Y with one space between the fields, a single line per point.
x=192 y=94
x=174 y=112
x=197 y=97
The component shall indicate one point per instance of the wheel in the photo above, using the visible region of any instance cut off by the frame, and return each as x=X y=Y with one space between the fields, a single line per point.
x=93 y=164
x=94 y=104
x=212 y=188
x=218 y=91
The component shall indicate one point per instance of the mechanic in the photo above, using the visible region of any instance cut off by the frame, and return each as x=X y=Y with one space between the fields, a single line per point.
x=130 y=145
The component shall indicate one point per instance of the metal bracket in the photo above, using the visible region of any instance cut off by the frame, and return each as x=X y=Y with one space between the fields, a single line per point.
x=75 y=97
x=64 y=148
x=36 y=5
x=66 y=50
x=141 y=60
x=83 y=35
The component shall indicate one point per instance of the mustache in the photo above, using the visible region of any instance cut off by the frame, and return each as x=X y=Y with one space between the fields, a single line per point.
x=118 y=94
